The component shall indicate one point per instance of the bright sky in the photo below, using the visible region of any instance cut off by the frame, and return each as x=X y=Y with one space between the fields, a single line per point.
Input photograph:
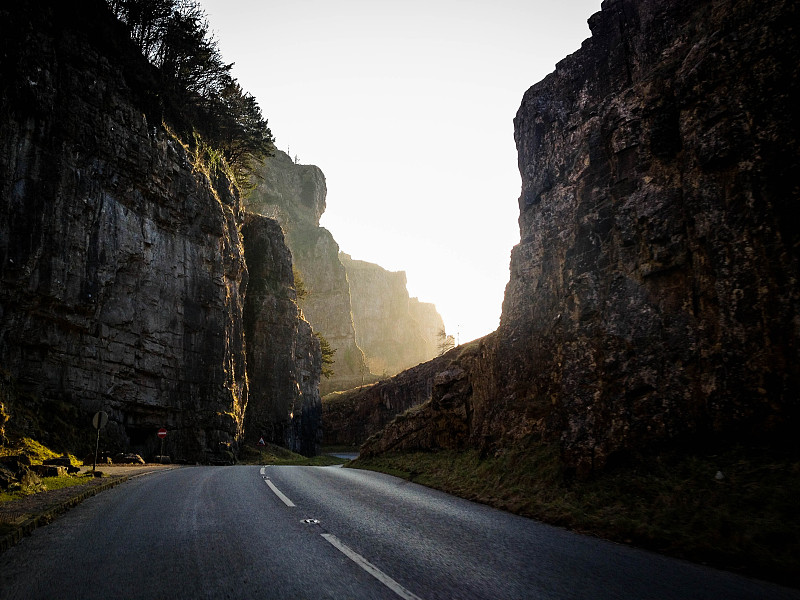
x=407 y=107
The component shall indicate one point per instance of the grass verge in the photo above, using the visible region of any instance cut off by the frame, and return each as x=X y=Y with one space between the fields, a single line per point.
x=735 y=509
x=50 y=483
x=276 y=455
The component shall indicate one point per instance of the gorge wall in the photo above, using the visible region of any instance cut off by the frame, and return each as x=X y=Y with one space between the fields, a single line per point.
x=394 y=331
x=653 y=296
x=354 y=415
x=362 y=310
x=123 y=269
x=294 y=195
x=283 y=356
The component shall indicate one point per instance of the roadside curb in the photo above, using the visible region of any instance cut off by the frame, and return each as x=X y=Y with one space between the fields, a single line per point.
x=27 y=526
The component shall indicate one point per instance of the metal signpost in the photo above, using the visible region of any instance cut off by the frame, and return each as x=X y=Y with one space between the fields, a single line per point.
x=162 y=433
x=98 y=421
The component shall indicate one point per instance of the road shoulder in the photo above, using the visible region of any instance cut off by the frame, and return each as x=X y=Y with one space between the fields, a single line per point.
x=25 y=515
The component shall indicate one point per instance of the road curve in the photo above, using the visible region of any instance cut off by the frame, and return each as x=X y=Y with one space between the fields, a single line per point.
x=329 y=532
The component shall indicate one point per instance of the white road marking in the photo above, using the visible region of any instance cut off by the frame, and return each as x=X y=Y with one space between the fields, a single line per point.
x=370 y=568
x=263 y=470
x=278 y=493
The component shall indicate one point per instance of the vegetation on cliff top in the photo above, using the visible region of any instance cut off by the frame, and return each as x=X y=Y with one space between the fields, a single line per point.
x=203 y=101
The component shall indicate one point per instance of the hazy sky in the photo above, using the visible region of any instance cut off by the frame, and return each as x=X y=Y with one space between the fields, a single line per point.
x=407 y=107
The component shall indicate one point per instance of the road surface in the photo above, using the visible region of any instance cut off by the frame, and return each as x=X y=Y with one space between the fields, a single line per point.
x=330 y=532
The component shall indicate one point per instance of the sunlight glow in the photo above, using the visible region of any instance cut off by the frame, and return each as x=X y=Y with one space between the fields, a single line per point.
x=407 y=107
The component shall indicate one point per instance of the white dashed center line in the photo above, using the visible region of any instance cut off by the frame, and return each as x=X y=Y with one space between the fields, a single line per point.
x=351 y=554
x=370 y=568
x=278 y=493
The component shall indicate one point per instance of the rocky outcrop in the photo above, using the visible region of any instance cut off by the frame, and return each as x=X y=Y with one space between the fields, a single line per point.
x=353 y=416
x=122 y=266
x=394 y=332
x=429 y=322
x=291 y=193
x=283 y=355
x=361 y=309
x=654 y=289
x=294 y=195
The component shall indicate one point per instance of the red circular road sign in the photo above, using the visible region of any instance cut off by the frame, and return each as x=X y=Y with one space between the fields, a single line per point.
x=162 y=433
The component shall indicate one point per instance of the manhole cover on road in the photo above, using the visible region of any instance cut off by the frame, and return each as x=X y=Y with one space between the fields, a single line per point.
x=310 y=521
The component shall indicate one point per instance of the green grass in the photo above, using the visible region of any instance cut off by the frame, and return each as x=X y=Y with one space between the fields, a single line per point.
x=50 y=483
x=276 y=455
x=671 y=503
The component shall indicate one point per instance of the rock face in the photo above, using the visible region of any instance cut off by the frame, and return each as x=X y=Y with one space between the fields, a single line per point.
x=294 y=195
x=653 y=296
x=123 y=270
x=430 y=324
x=361 y=309
x=394 y=332
x=353 y=416
x=283 y=356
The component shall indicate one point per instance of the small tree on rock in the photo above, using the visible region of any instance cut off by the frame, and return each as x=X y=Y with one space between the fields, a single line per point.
x=327 y=356
x=299 y=286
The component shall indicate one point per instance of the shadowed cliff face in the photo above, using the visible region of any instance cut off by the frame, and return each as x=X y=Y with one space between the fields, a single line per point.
x=353 y=416
x=283 y=356
x=653 y=295
x=123 y=271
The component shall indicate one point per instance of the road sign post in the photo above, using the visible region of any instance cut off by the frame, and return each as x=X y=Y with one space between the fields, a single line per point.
x=162 y=433
x=98 y=421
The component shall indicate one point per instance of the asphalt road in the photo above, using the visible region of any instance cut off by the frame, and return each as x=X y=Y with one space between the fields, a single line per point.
x=329 y=532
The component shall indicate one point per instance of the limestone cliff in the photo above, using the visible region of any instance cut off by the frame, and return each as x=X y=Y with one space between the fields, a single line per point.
x=653 y=296
x=361 y=309
x=430 y=324
x=294 y=195
x=123 y=270
x=291 y=193
x=283 y=356
x=394 y=332
x=354 y=415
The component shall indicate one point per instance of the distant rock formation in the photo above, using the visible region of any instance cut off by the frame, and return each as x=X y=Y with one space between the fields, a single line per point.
x=394 y=331
x=283 y=356
x=122 y=267
x=294 y=195
x=364 y=311
x=430 y=324
x=654 y=294
x=353 y=416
